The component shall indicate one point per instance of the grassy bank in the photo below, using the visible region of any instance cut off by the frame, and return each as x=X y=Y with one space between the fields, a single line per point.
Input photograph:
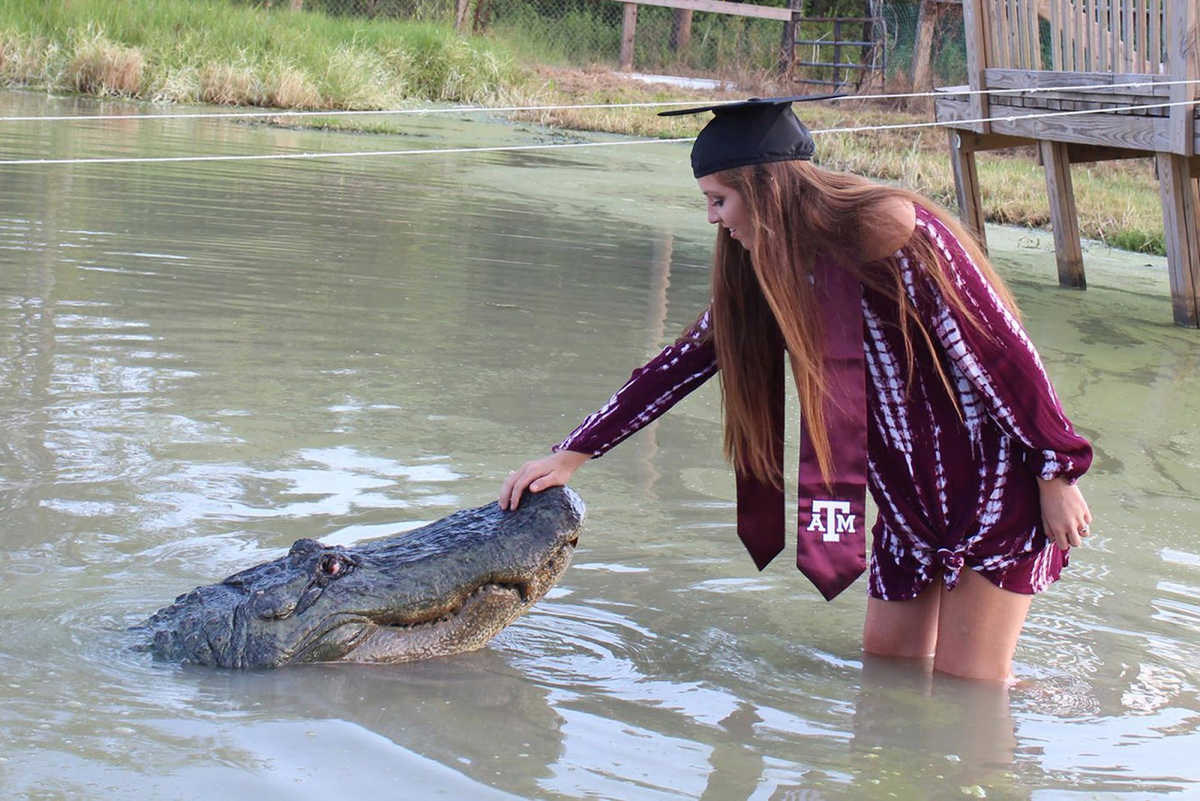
x=211 y=51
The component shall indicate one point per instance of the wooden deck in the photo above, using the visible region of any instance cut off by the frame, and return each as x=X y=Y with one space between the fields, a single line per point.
x=1130 y=65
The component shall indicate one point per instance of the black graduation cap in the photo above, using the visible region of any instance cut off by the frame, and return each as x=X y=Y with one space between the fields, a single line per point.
x=754 y=131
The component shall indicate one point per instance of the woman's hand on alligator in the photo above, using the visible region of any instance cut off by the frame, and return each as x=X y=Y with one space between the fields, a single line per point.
x=554 y=470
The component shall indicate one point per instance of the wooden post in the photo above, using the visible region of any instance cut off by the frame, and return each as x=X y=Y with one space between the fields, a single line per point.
x=1180 y=207
x=978 y=53
x=460 y=16
x=628 y=28
x=296 y=5
x=1181 y=61
x=966 y=187
x=787 y=44
x=1067 y=250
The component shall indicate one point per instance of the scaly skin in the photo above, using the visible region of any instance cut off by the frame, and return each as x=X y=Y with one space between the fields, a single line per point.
x=442 y=589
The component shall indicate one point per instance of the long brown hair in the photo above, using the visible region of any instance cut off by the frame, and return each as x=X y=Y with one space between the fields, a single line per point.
x=765 y=296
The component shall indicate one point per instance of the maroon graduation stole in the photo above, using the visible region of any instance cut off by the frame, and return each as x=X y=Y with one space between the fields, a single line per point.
x=831 y=547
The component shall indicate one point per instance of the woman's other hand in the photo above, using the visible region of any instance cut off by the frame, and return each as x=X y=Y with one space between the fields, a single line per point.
x=1065 y=514
x=552 y=471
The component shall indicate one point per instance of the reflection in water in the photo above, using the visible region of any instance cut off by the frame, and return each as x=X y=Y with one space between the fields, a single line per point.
x=201 y=364
x=904 y=710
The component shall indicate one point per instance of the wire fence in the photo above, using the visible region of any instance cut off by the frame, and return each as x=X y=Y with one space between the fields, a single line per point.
x=856 y=45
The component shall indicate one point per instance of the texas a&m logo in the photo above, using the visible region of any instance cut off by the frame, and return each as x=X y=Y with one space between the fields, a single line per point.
x=831 y=518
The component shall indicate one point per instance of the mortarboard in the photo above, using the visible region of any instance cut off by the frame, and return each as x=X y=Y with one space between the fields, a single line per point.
x=754 y=131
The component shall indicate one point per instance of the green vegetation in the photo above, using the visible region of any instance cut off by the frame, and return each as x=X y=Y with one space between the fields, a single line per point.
x=211 y=51
x=583 y=32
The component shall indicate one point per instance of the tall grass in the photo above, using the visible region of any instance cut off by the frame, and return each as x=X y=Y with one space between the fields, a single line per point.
x=212 y=51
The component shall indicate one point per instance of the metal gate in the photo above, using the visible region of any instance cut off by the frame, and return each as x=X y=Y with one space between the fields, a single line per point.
x=841 y=52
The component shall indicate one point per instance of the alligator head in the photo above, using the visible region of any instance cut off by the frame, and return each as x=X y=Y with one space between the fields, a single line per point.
x=438 y=590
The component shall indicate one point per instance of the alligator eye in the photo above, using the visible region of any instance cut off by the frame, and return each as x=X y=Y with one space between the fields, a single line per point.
x=332 y=565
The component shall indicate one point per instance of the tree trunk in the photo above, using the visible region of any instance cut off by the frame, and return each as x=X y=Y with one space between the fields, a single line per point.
x=628 y=32
x=922 y=74
x=787 y=43
x=681 y=30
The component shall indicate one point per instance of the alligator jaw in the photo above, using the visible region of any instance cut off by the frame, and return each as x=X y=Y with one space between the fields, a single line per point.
x=483 y=613
x=468 y=627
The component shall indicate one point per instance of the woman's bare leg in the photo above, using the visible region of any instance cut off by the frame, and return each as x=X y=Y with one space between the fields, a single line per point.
x=903 y=628
x=977 y=629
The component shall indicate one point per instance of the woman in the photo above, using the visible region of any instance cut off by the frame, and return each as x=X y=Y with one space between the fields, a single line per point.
x=915 y=377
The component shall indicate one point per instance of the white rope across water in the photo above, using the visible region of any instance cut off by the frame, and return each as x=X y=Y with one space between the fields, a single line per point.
x=204 y=115
x=547 y=146
x=350 y=154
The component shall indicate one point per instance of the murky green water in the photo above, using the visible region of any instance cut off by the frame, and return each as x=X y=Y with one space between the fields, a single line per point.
x=200 y=363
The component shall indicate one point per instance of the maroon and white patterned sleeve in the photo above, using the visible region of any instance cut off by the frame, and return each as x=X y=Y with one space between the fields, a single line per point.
x=651 y=390
x=1001 y=366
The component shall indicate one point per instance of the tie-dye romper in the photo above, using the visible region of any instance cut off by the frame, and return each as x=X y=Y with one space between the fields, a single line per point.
x=952 y=490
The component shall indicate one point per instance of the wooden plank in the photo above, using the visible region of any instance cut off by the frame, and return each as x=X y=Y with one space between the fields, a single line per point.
x=1014 y=34
x=1116 y=83
x=1064 y=36
x=1056 y=50
x=1181 y=60
x=966 y=188
x=722 y=7
x=957 y=112
x=1142 y=104
x=1180 y=207
x=975 y=27
x=1078 y=36
x=1001 y=54
x=1123 y=135
x=1093 y=61
x=1064 y=220
x=997 y=34
x=969 y=142
x=1019 y=34
x=1034 y=36
x=1114 y=35
x=1102 y=60
x=628 y=29
x=1109 y=130
x=1129 y=39
x=1084 y=154
x=1155 y=45
x=1141 y=63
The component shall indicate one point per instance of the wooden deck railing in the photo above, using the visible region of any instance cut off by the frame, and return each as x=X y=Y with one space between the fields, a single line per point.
x=1127 y=36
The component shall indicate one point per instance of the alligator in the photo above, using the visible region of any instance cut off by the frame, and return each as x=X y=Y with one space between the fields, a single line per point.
x=442 y=589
